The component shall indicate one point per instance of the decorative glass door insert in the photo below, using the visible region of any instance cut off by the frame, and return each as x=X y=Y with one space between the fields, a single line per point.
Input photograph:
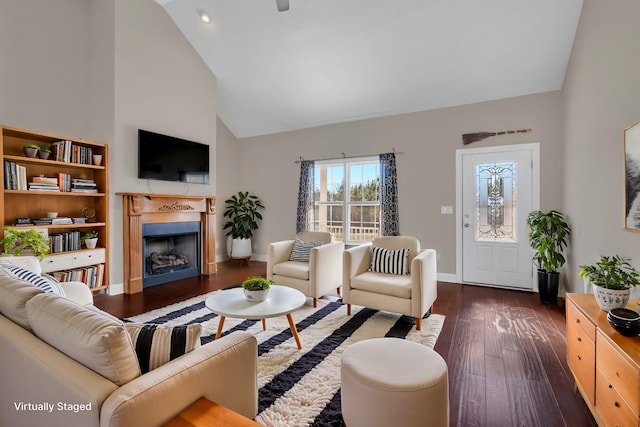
x=495 y=206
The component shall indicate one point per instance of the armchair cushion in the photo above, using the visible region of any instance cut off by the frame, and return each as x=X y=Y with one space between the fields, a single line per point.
x=389 y=261
x=157 y=344
x=301 y=250
x=385 y=284
x=14 y=294
x=295 y=269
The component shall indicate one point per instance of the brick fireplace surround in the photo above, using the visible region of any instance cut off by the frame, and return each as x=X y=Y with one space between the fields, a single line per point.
x=142 y=208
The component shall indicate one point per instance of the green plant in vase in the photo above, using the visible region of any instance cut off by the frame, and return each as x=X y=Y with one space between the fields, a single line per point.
x=612 y=278
x=15 y=242
x=256 y=288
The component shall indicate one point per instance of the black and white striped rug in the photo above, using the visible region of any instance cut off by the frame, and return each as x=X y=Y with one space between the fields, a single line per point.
x=302 y=387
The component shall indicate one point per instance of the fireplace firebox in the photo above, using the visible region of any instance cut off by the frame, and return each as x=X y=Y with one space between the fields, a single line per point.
x=170 y=251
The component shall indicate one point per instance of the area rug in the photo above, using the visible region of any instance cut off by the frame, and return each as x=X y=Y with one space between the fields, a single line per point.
x=301 y=387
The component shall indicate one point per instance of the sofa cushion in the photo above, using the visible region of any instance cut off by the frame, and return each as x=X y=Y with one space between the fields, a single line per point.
x=93 y=339
x=295 y=269
x=155 y=345
x=389 y=261
x=385 y=284
x=14 y=294
x=302 y=250
x=42 y=282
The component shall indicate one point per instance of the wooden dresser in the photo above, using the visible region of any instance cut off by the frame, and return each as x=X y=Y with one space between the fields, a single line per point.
x=605 y=364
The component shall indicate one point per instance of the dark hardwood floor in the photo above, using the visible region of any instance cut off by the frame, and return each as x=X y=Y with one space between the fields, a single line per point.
x=506 y=352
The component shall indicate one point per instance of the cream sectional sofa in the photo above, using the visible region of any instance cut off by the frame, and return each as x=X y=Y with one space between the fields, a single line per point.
x=65 y=364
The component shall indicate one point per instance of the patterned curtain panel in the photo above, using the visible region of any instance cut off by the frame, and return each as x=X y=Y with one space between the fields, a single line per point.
x=389 y=220
x=304 y=220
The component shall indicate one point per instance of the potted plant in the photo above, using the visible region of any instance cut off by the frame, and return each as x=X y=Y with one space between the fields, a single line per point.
x=548 y=234
x=15 y=242
x=256 y=288
x=89 y=239
x=612 y=278
x=30 y=150
x=243 y=213
x=44 y=151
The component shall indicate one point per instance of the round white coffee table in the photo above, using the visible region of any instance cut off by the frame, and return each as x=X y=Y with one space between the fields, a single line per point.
x=281 y=300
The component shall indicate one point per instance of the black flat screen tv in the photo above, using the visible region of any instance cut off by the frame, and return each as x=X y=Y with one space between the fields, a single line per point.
x=168 y=158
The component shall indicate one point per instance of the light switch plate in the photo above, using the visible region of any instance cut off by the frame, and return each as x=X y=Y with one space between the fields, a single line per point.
x=446 y=210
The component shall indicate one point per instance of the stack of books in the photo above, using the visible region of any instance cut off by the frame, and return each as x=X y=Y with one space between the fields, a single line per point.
x=79 y=185
x=92 y=276
x=63 y=242
x=61 y=220
x=43 y=183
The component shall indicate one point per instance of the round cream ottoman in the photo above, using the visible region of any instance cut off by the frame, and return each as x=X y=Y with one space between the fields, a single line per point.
x=393 y=382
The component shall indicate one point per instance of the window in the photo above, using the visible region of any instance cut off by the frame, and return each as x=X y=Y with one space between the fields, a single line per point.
x=354 y=215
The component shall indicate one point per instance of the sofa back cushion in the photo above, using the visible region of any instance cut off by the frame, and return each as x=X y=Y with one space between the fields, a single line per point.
x=93 y=339
x=14 y=294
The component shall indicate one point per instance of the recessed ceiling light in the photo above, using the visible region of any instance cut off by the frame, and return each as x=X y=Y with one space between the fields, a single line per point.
x=204 y=16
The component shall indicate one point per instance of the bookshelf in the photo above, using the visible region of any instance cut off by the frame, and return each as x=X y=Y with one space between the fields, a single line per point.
x=71 y=159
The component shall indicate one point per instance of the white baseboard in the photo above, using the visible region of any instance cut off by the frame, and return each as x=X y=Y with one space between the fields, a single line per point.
x=116 y=289
x=447 y=277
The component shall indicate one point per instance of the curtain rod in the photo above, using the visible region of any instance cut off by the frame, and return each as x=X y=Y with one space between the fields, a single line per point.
x=393 y=150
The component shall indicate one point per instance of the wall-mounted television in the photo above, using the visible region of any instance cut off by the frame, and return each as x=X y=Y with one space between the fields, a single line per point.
x=168 y=158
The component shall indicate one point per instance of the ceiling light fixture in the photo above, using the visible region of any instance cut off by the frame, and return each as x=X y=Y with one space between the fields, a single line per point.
x=204 y=16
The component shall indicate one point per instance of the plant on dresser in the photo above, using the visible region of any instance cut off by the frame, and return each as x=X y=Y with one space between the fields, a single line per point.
x=612 y=278
x=66 y=182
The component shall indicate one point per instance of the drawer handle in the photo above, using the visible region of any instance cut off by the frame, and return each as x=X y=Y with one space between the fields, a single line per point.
x=577 y=320
x=579 y=357
x=616 y=404
x=579 y=339
x=610 y=386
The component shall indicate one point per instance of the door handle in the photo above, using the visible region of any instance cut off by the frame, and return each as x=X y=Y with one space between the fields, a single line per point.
x=466 y=225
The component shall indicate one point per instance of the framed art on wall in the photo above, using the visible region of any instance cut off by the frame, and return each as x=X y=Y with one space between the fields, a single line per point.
x=631 y=147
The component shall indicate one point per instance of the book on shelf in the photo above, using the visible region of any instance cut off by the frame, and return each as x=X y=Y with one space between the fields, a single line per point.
x=92 y=275
x=45 y=180
x=10 y=175
x=21 y=173
x=69 y=152
x=35 y=186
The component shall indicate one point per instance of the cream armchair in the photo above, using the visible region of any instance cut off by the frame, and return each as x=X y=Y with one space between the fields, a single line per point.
x=411 y=294
x=317 y=277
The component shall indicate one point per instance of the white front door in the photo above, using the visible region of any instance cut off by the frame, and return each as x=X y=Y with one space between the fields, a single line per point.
x=497 y=195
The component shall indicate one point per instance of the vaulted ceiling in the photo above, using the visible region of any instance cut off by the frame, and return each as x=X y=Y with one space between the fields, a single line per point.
x=332 y=61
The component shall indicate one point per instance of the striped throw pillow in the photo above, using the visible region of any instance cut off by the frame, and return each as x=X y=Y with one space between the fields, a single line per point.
x=44 y=283
x=155 y=345
x=389 y=261
x=302 y=250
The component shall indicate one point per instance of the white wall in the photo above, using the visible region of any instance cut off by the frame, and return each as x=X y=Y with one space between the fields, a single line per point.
x=426 y=170
x=601 y=97
x=101 y=69
x=44 y=55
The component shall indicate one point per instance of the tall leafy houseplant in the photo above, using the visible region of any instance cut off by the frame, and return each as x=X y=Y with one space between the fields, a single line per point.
x=612 y=278
x=242 y=212
x=548 y=234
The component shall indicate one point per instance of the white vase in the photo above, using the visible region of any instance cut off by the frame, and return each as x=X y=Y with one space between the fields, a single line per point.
x=608 y=299
x=241 y=248
x=256 y=296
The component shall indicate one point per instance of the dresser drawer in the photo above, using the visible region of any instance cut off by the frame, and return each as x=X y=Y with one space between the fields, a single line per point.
x=70 y=260
x=581 y=356
x=613 y=410
x=620 y=373
x=575 y=317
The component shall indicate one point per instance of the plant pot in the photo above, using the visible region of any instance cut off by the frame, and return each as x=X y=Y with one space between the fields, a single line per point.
x=44 y=155
x=548 y=286
x=256 y=296
x=241 y=248
x=30 y=152
x=608 y=299
x=91 y=243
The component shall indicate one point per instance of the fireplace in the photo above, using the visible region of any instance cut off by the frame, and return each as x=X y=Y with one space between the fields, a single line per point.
x=167 y=234
x=170 y=251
